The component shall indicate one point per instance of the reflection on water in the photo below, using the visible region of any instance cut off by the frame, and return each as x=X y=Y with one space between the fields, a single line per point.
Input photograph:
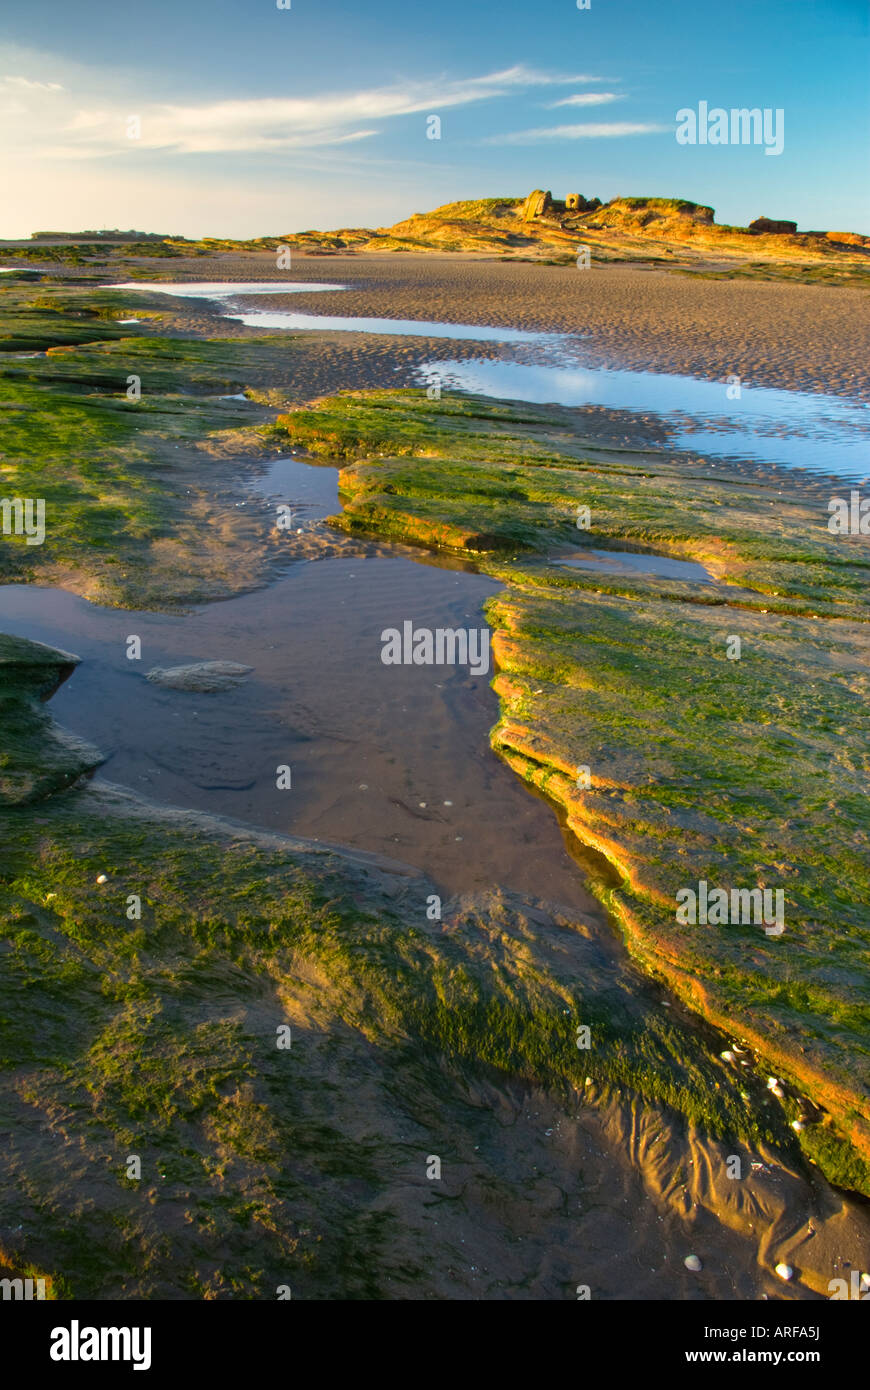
x=629 y=562
x=222 y=289
x=390 y=759
x=828 y=434
x=307 y=488
x=414 y=328
x=270 y=319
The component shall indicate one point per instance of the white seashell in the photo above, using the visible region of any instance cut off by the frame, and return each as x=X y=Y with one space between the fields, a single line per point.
x=693 y=1263
x=727 y=1056
x=797 y=1126
x=103 y=878
x=784 y=1271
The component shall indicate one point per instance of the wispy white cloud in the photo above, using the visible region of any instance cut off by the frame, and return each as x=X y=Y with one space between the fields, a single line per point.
x=586 y=99
x=93 y=129
x=602 y=130
x=30 y=85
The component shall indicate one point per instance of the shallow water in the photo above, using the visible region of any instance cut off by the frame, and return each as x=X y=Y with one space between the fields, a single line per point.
x=270 y=319
x=632 y=562
x=222 y=289
x=394 y=760
x=403 y=328
x=826 y=434
x=309 y=489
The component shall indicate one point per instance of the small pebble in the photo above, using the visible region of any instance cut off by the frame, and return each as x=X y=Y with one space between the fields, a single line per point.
x=103 y=878
x=693 y=1263
x=784 y=1271
x=797 y=1126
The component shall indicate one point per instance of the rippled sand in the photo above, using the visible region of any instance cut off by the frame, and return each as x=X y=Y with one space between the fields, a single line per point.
x=799 y=337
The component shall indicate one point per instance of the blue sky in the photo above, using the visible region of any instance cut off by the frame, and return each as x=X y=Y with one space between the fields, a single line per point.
x=255 y=120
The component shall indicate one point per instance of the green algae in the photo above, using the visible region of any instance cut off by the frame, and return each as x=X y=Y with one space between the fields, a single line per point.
x=122 y=438
x=742 y=772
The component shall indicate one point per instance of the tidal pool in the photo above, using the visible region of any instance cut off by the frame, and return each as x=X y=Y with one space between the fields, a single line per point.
x=390 y=759
x=636 y=562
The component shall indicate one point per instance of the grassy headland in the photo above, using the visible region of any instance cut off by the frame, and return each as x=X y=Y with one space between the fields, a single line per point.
x=669 y=232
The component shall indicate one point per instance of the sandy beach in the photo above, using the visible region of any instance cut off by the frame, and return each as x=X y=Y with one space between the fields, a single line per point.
x=796 y=337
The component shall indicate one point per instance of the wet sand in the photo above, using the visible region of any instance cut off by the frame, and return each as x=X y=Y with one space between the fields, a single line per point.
x=797 y=337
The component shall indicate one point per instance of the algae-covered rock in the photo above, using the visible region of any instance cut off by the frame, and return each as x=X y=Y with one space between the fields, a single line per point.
x=37 y=758
x=204 y=677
